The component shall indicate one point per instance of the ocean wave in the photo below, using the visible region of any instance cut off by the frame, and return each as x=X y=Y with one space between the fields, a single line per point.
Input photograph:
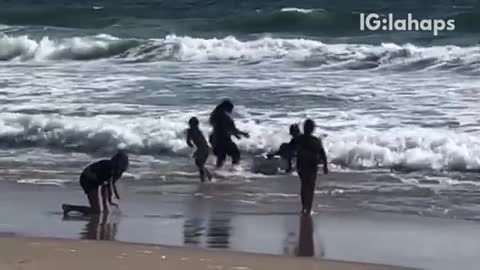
x=24 y=48
x=293 y=20
x=305 y=52
x=411 y=149
x=406 y=149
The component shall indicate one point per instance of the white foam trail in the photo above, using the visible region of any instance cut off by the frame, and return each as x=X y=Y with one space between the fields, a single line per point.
x=300 y=10
x=54 y=182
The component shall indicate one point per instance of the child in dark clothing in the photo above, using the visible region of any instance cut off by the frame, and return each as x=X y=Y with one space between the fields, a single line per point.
x=310 y=153
x=287 y=150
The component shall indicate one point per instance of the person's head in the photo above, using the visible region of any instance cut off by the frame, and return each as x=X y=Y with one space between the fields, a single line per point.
x=120 y=163
x=294 y=130
x=193 y=122
x=226 y=106
x=308 y=127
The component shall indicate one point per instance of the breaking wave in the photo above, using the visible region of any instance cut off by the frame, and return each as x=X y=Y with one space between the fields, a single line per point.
x=230 y=49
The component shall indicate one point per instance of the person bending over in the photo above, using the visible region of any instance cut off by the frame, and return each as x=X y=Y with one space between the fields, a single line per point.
x=100 y=176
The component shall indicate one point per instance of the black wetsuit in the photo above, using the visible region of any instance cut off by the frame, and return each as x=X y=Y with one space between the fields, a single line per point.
x=221 y=138
x=310 y=153
x=96 y=175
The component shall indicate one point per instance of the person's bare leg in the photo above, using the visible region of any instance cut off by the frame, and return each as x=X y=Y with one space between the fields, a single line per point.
x=207 y=172
x=94 y=207
x=234 y=153
x=310 y=190
x=105 y=194
x=94 y=201
x=303 y=189
x=202 y=174
x=200 y=165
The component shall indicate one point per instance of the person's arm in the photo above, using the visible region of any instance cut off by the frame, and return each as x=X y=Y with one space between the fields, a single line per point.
x=116 y=174
x=189 y=138
x=110 y=194
x=235 y=131
x=115 y=189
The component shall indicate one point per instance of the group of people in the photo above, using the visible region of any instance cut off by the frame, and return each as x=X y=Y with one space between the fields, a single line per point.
x=101 y=176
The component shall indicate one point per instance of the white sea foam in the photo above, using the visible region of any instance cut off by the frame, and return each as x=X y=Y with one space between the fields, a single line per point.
x=399 y=148
x=406 y=148
x=300 y=10
x=24 y=48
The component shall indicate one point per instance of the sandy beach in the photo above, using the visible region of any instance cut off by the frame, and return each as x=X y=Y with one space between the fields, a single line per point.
x=42 y=254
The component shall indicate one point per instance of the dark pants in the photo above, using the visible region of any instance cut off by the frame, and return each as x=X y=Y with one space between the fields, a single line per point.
x=308 y=178
x=224 y=148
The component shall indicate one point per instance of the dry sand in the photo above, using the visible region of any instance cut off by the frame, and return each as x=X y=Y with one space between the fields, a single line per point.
x=18 y=253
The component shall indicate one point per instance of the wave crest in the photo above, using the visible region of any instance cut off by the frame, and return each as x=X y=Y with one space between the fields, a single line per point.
x=23 y=48
x=305 y=52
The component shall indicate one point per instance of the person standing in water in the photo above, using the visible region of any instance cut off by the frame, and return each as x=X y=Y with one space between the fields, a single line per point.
x=223 y=129
x=287 y=150
x=101 y=175
x=195 y=137
x=310 y=153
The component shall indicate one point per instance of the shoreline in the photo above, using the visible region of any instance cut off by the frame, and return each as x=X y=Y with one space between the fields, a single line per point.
x=57 y=253
x=200 y=217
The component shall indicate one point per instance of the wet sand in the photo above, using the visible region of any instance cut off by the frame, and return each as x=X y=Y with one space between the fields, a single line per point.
x=201 y=220
x=52 y=254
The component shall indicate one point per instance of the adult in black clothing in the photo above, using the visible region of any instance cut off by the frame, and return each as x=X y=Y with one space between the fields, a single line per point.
x=287 y=150
x=310 y=153
x=101 y=175
x=223 y=130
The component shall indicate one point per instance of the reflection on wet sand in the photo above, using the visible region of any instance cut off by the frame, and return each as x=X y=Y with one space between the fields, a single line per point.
x=205 y=228
x=303 y=243
x=193 y=230
x=98 y=227
x=218 y=235
x=306 y=244
x=212 y=233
